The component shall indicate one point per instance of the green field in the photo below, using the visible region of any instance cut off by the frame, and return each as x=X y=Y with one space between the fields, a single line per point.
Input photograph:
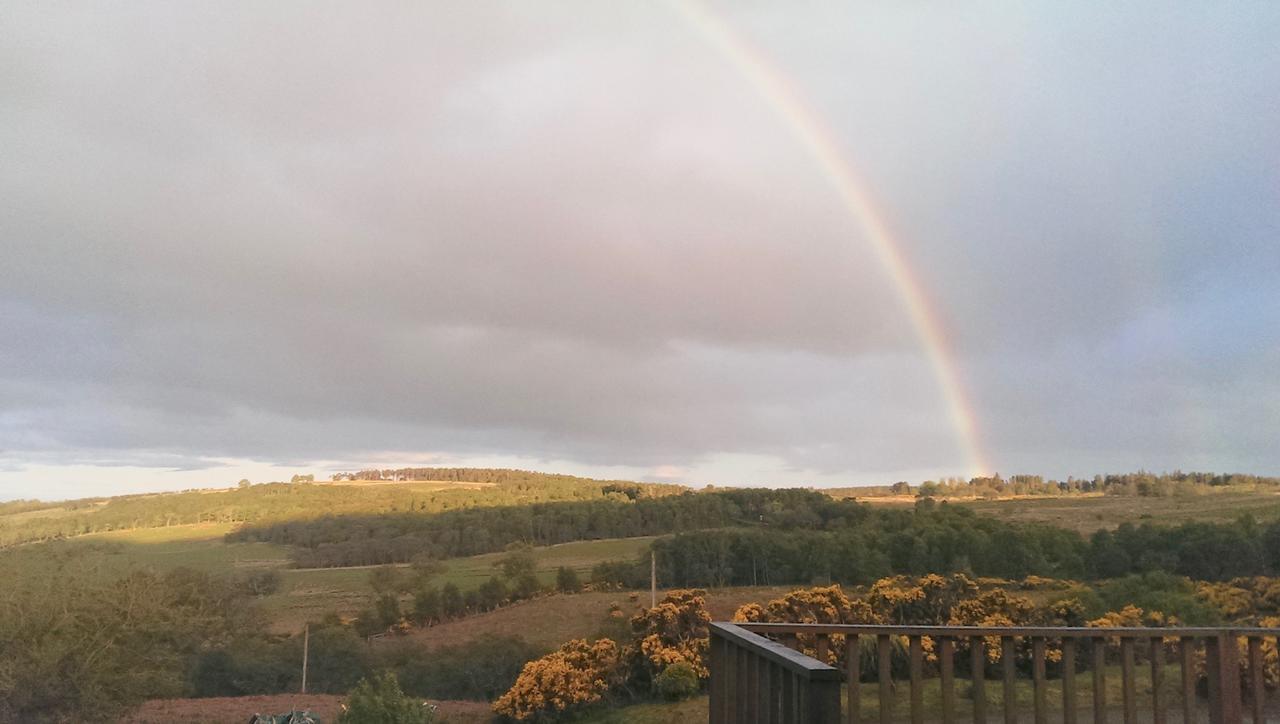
x=305 y=594
x=1089 y=512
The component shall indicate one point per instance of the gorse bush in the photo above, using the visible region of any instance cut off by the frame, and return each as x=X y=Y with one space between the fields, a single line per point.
x=581 y=673
x=576 y=675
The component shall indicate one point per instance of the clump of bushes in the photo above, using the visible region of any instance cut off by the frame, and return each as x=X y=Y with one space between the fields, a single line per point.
x=677 y=681
x=665 y=656
x=380 y=700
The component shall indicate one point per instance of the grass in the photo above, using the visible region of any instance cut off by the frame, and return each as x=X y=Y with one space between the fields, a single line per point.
x=549 y=621
x=309 y=594
x=900 y=705
x=1087 y=513
x=1091 y=513
x=305 y=594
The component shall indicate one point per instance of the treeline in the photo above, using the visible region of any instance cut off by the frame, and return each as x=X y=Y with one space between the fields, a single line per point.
x=334 y=541
x=489 y=476
x=946 y=539
x=284 y=501
x=1141 y=483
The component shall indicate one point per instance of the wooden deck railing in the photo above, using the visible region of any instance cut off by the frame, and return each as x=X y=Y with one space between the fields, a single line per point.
x=763 y=673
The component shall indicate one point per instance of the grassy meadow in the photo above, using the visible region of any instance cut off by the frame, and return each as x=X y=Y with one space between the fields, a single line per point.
x=304 y=594
x=1089 y=512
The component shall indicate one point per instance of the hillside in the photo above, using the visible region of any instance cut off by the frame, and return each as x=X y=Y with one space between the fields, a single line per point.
x=384 y=571
x=438 y=490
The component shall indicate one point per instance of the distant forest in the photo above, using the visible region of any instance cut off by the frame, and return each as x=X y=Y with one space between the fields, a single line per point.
x=770 y=537
x=26 y=521
x=1143 y=484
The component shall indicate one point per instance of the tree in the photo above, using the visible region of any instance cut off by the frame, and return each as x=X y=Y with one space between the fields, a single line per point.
x=385 y=579
x=451 y=602
x=388 y=610
x=567 y=580
x=381 y=701
x=518 y=561
x=426 y=606
x=491 y=594
x=243 y=484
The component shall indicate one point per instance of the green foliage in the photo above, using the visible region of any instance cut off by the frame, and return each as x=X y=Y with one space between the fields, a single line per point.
x=427 y=608
x=262 y=583
x=479 y=670
x=76 y=648
x=385 y=579
x=677 y=681
x=279 y=502
x=381 y=701
x=451 y=603
x=1141 y=483
x=518 y=561
x=1157 y=591
x=567 y=580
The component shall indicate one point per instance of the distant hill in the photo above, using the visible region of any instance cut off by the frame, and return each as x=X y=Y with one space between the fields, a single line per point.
x=423 y=489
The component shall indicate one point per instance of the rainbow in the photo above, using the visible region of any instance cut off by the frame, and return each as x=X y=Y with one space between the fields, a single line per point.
x=820 y=142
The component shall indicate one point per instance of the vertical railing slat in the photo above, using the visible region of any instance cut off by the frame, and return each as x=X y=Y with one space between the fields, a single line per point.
x=885 y=672
x=1257 y=681
x=822 y=648
x=1069 y=681
x=853 y=673
x=1007 y=663
x=1223 y=667
x=946 y=678
x=978 y=660
x=1037 y=678
x=715 y=685
x=802 y=697
x=1099 y=680
x=745 y=704
x=775 y=693
x=1187 y=664
x=917 y=680
x=1157 y=677
x=751 y=694
x=1129 y=689
x=731 y=708
x=789 y=697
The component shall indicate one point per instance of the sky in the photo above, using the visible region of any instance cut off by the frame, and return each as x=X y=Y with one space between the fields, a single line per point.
x=244 y=239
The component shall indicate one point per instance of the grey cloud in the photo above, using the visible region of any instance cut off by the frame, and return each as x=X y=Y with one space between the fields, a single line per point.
x=580 y=234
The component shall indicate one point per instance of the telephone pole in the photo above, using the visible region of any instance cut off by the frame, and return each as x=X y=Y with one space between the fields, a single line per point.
x=653 y=579
x=306 y=640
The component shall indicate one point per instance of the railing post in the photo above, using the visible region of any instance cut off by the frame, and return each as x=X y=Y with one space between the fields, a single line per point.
x=824 y=701
x=1222 y=665
x=715 y=684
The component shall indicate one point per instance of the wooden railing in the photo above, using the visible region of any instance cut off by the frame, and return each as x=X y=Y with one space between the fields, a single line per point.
x=783 y=673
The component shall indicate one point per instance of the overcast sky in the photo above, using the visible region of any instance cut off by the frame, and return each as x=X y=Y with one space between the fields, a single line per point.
x=244 y=239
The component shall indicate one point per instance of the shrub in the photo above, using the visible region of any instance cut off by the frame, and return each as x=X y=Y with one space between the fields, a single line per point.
x=567 y=580
x=262 y=583
x=479 y=670
x=677 y=681
x=574 y=676
x=381 y=701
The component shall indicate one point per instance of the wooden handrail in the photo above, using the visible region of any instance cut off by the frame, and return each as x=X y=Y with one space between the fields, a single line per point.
x=787 y=658
x=757 y=679
x=1087 y=632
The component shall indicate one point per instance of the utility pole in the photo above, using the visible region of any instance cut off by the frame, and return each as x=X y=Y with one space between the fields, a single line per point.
x=306 y=640
x=653 y=579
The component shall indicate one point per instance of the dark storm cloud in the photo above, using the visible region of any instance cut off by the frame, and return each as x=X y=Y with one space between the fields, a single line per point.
x=575 y=232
